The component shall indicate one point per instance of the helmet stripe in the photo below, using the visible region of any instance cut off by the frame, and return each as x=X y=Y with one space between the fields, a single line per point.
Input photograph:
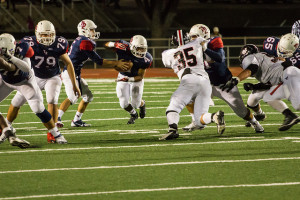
x=180 y=38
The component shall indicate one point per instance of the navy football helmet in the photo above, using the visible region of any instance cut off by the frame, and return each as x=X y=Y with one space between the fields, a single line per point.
x=247 y=50
x=180 y=38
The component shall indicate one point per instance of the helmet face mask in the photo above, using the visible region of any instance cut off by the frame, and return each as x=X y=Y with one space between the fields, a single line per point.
x=45 y=33
x=7 y=44
x=287 y=45
x=138 y=46
x=200 y=30
x=247 y=50
x=180 y=38
x=87 y=28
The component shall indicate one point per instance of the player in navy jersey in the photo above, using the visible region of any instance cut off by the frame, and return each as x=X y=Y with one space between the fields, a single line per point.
x=48 y=49
x=17 y=74
x=285 y=49
x=130 y=84
x=82 y=49
x=219 y=74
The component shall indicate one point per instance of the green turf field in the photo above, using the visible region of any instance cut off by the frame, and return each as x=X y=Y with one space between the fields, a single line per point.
x=113 y=160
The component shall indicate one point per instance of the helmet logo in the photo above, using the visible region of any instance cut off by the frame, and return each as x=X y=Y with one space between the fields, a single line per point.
x=83 y=24
x=203 y=29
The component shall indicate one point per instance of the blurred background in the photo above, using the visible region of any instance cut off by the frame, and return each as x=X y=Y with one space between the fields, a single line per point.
x=237 y=21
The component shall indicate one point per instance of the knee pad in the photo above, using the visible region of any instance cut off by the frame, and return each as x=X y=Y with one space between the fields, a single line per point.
x=89 y=97
x=73 y=99
x=45 y=116
x=36 y=106
x=123 y=103
x=18 y=100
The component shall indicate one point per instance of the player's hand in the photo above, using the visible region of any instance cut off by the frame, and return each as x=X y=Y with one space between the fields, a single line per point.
x=248 y=86
x=123 y=66
x=77 y=91
x=6 y=54
x=230 y=84
x=204 y=45
x=123 y=79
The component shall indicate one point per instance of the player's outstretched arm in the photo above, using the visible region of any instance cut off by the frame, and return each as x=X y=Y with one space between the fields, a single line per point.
x=70 y=68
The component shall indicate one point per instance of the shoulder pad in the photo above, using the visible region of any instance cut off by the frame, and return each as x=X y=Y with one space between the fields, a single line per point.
x=86 y=45
x=215 y=43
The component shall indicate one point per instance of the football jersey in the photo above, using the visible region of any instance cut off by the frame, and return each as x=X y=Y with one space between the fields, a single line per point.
x=45 y=61
x=269 y=69
x=80 y=51
x=22 y=50
x=218 y=71
x=123 y=52
x=189 y=55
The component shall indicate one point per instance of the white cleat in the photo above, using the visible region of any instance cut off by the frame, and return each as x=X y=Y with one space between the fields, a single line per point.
x=15 y=141
x=257 y=127
x=218 y=118
x=60 y=139
x=192 y=126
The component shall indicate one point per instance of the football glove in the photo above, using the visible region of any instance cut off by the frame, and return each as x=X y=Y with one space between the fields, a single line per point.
x=230 y=84
x=258 y=86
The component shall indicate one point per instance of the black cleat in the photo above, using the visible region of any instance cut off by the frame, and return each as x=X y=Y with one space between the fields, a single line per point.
x=143 y=111
x=172 y=134
x=288 y=122
x=132 y=118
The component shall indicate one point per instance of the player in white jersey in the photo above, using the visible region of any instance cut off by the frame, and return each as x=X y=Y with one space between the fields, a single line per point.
x=286 y=49
x=269 y=70
x=187 y=62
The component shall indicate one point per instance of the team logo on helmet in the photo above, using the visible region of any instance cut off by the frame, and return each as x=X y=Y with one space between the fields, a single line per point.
x=83 y=24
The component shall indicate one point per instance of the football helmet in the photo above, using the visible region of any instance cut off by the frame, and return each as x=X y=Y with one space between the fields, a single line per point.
x=296 y=28
x=138 y=46
x=180 y=38
x=247 y=50
x=287 y=45
x=45 y=33
x=200 y=30
x=10 y=36
x=87 y=28
x=7 y=43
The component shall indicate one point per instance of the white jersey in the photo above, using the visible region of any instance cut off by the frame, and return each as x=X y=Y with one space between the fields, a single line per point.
x=189 y=55
x=269 y=70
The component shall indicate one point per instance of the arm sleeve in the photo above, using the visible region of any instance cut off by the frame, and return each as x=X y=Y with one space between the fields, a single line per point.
x=218 y=55
x=94 y=57
x=23 y=65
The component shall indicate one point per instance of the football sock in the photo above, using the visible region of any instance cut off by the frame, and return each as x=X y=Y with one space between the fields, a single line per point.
x=206 y=118
x=60 y=113
x=54 y=131
x=173 y=117
x=78 y=116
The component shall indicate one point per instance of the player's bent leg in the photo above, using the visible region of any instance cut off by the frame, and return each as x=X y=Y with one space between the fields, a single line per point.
x=143 y=109
x=290 y=120
x=173 y=119
x=77 y=122
x=253 y=122
x=62 y=109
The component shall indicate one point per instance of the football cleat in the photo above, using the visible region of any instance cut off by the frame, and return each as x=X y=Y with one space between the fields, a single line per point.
x=50 y=138
x=172 y=134
x=288 y=122
x=192 y=126
x=60 y=139
x=15 y=141
x=79 y=123
x=257 y=127
x=218 y=118
x=132 y=118
x=258 y=117
x=59 y=123
x=143 y=111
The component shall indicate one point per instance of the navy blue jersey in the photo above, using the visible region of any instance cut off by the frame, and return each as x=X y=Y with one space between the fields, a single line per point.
x=81 y=50
x=13 y=77
x=45 y=61
x=123 y=52
x=270 y=45
x=217 y=70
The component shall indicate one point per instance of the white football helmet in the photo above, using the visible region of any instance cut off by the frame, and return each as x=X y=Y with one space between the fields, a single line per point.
x=138 y=46
x=287 y=45
x=10 y=36
x=7 y=43
x=87 y=28
x=45 y=33
x=200 y=30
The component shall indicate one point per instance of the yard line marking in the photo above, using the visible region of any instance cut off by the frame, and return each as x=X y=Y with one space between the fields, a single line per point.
x=154 y=190
x=141 y=146
x=149 y=165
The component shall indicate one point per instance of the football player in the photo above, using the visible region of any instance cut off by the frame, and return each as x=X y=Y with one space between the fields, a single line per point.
x=272 y=70
x=130 y=84
x=17 y=74
x=219 y=74
x=296 y=28
x=286 y=49
x=82 y=49
x=187 y=62
x=48 y=49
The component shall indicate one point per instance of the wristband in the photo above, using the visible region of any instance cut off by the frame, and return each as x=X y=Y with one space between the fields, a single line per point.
x=111 y=44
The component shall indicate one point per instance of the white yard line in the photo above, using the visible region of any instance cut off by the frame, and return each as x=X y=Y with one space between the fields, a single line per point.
x=154 y=190
x=141 y=146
